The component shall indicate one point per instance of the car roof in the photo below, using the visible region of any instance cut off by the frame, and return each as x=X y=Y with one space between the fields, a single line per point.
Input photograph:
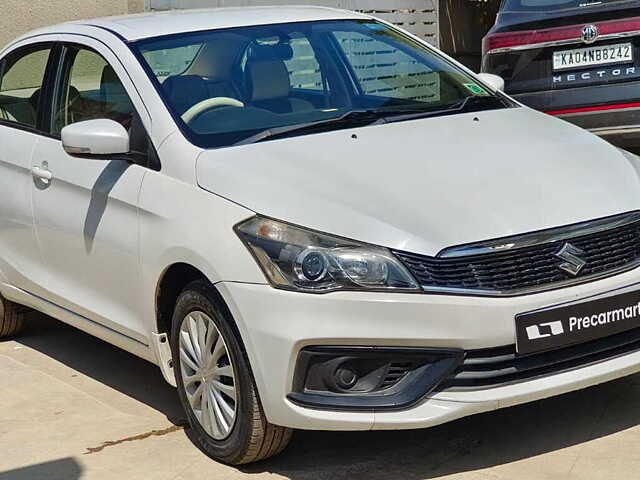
x=157 y=24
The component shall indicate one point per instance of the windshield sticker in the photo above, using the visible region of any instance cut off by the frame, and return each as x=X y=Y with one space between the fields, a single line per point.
x=476 y=89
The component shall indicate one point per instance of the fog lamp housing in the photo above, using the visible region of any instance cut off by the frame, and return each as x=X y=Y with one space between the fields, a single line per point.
x=369 y=378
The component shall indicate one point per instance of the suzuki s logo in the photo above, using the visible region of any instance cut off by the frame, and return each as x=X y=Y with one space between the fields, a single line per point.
x=572 y=264
x=544 y=330
x=589 y=33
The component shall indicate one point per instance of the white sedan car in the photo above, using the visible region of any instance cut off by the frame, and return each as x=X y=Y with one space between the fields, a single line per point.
x=310 y=219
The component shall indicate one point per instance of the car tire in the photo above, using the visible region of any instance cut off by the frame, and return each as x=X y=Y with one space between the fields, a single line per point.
x=199 y=366
x=11 y=318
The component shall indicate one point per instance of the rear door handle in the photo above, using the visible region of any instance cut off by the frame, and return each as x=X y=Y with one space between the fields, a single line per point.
x=42 y=173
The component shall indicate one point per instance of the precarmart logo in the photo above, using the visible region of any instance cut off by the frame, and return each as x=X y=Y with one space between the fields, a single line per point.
x=599 y=319
x=543 y=330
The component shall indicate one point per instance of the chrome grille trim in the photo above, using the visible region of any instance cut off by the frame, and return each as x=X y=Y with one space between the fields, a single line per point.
x=541 y=237
x=614 y=244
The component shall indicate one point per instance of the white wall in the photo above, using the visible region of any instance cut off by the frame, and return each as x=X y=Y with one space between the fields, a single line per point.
x=417 y=16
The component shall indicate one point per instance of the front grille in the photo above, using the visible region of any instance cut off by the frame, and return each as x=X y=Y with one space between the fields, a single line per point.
x=530 y=264
x=493 y=367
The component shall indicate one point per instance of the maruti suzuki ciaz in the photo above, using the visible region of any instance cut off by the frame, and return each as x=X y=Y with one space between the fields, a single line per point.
x=310 y=219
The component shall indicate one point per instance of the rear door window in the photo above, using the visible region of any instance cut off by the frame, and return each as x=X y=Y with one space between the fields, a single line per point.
x=23 y=74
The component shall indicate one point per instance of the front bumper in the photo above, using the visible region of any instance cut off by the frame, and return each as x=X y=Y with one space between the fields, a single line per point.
x=276 y=325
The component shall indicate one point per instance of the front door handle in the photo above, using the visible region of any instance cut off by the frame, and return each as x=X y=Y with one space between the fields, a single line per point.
x=42 y=173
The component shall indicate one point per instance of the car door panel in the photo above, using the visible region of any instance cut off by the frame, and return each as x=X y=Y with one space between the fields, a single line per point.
x=87 y=224
x=86 y=216
x=23 y=71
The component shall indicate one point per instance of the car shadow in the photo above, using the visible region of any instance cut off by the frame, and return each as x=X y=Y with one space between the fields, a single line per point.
x=62 y=469
x=99 y=199
x=472 y=443
x=103 y=362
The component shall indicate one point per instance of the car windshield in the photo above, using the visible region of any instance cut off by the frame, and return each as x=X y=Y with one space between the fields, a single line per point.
x=249 y=84
x=552 y=5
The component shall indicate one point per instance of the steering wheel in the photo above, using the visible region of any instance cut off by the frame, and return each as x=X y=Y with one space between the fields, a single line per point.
x=208 y=104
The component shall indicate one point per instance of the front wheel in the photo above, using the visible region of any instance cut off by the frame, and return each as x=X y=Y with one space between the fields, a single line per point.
x=215 y=383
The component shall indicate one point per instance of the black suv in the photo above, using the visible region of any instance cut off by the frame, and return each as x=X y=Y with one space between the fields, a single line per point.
x=577 y=59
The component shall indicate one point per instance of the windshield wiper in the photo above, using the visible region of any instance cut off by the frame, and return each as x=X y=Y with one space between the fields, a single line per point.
x=363 y=118
x=352 y=117
x=473 y=101
x=477 y=100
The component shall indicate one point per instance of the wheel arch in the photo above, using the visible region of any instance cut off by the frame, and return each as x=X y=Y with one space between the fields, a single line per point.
x=172 y=281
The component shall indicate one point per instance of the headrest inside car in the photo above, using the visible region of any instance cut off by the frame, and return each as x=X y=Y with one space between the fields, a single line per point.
x=280 y=51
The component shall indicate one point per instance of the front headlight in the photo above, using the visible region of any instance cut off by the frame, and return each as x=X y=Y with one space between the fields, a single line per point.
x=296 y=258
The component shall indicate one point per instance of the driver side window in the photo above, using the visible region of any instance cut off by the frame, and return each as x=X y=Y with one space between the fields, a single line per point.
x=89 y=89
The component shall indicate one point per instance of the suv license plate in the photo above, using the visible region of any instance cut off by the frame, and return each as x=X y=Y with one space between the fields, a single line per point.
x=587 y=57
x=581 y=322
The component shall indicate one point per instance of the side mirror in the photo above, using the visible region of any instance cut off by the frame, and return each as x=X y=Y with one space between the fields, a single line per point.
x=95 y=137
x=492 y=80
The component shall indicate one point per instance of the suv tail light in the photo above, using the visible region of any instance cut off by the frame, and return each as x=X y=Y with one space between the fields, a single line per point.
x=530 y=38
x=499 y=41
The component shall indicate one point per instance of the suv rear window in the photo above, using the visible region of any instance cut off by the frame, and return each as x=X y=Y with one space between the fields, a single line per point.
x=552 y=5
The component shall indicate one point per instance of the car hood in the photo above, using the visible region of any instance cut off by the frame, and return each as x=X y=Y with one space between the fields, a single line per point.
x=425 y=185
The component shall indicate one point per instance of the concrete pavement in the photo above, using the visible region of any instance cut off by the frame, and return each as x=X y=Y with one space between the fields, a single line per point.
x=73 y=407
